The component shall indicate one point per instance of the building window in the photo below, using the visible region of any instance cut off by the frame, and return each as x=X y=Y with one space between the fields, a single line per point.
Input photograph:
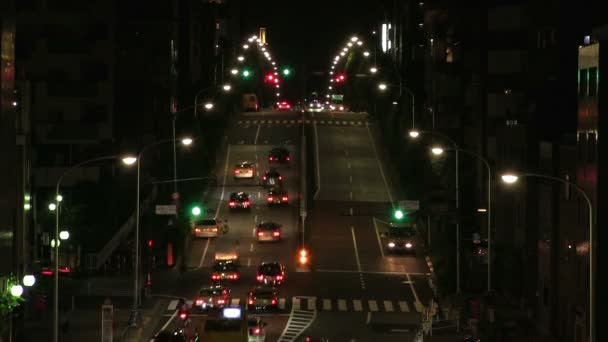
x=583 y=82
x=593 y=81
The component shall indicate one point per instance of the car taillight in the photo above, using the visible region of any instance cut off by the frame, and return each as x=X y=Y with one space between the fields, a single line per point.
x=64 y=270
x=237 y=171
x=264 y=178
x=288 y=158
x=256 y=331
x=220 y=301
x=232 y=204
x=260 y=233
x=269 y=158
x=273 y=302
x=284 y=198
x=279 y=277
x=260 y=277
x=250 y=302
x=47 y=272
x=280 y=177
x=199 y=301
x=215 y=277
x=270 y=199
x=183 y=316
x=246 y=203
x=276 y=233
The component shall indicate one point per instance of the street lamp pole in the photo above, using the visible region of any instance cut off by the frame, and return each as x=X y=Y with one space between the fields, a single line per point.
x=591 y=241
x=56 y=248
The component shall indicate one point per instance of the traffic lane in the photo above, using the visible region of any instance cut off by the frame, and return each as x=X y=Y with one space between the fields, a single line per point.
x=342 y=116
x=400 y=286
x=333 y=168
x=279 y=134
x=331 y=325
x=269 y=114
x=414 y=262
x=241 y=134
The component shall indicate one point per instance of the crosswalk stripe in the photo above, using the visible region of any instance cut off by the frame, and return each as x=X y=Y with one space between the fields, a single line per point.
x=388 y=306
x=311 y=304
x=373 y=306
x=282 y=303
x=292 y=121
x=239 y=122
x=323 y=122
x=295 y=304
x=419 y=307
x=341 y=305
x=255 y=122
x=326 y=304
x=284 y=121
x=307 y=121
x=357 y=305
x=403 y=306
x=344 y=122
x=235 y=301
x=172 y=305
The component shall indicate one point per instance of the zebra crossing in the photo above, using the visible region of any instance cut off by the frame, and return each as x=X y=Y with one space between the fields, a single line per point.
x=331 y=304
x=336 y=122
x=299 y=320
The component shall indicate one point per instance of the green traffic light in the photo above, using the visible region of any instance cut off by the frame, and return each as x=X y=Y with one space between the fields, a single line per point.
x=398 y=214
x=196 y=211
x=286 y=72
x=246 y=73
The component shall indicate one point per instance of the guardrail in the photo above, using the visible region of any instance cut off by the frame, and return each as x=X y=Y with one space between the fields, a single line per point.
x=95 y=261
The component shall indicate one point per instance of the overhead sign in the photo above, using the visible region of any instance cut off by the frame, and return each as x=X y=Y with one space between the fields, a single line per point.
x=409 y=205
x=337 y=97
x=166 y=209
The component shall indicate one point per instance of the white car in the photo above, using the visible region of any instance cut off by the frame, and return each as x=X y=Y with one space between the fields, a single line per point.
x=244 y=169
x=256 y=331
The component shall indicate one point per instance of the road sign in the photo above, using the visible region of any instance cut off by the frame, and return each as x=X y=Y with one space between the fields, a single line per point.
x=107 y=319
x=409 y=205
x=166 y=209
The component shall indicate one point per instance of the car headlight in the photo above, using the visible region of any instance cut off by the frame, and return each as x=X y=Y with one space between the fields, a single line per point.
x=341 y=108
x=391 y=244
x=408 y=245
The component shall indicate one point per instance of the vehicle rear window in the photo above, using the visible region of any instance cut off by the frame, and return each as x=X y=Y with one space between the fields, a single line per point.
x=268 y=226
x=206 y=222
x=243 y=165
x=270 y=269
x=222 y=267
x=210 y=292
x=401 y=231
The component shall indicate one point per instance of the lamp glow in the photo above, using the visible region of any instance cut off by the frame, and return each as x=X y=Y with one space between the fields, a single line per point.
x=208 y=106
x=373 y=70
x=64 y=235
x=437 y=150
x=16 y=290
x=226 y=87
x=414 y=134
x=366 y=53
x=234 y=71
x=52 y=207
x=129 y=160
x=509 y=178
x=382 y=86
x=29 y=280
x=187 y=141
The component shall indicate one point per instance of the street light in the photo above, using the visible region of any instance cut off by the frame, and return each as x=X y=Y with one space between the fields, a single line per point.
x=64 y=235
x=382 y=86
x=373 y=70
x=414 y=134
x=59 y=198
x=208 y=106
x=359 y=43
x=354 y=39
x=128 y=160
x=52 y=206
x=437 y=150
x=240 y=58
x=226 y=87
x=16 y=290
x=29 y=280
x=366 y=53
x=234 y=71
x=245 y=46
x=511 y=178
x=187 y=141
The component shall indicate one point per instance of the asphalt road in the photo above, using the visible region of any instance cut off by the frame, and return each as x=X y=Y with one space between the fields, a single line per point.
x=355 y=285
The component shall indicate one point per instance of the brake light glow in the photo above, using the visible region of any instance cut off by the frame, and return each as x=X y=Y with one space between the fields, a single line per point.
x=183 y=316
x=264 y=178
x=47 y=272
x=279 y=277
x=256 y=331
x=260 y=277
x=280 y=177
x=64 y=269
x=270 y=199
x=246 y=203
x=273 y=302
x=199 y=301
x=284 y=198
x=260 y=233
x=250 y=302
x=276 y=233
x=288 y=158
x=269 y=158
x=232 y=204
x=220 y=301
x=215 y=277
x=237 y=171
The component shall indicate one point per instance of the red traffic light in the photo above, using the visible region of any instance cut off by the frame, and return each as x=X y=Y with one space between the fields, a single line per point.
x=150 y=243
x=303 y=256
x=183 y=315
x=269 y=77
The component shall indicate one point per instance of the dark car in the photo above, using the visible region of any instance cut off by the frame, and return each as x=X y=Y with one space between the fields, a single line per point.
x=212 y=296
x=168 y=336
x=268 y=231
x=225 y=270
x=239 y=200
x=272 y=178
x=262 y=298
x=271 y=273
x=279 y=155
x=277 y=196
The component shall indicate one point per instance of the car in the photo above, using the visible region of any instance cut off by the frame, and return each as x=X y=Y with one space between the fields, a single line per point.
x=227 y=255
x=277 y=196
x=256 y=331
x=244 y=170
x=401 y=238
x=315 y=106
x=268 y=231
x=205 y=228
x=250 y=103
x=225 y=270
x=272 y=273
x=239 y=200
x=279 y=155
x=168 y=336
x=262 y=298
x=283 y=105
x=211 y=297
x=272 y=178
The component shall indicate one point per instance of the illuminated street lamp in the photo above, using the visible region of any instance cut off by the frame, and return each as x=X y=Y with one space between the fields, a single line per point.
x=234 y=71
x=59 y=198
x=240 y=58
x=187 y=141
x=129 y=160
x=245 y=46
x=208 y=106
x=52 y=206
x=226 y=87
x=354 y=39
x=64 y=235
x=382 y=86
x=16 y=290
x=414 y=133
x=359 y=43
x=29 y=280
x=437 y=150
x=366 y=53
x=373 y=70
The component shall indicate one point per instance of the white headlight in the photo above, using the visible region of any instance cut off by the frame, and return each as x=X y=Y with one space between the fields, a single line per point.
x=408 y=245
x=391 y=244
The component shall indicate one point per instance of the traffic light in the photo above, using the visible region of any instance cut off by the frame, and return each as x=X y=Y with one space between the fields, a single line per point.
x=196 y=210
x=183 y=314
x=246 y=73
x=286 y=71
x=340 y=78
x=398 y=214
x=303 y=257
x=269 y=77
x=150 y=243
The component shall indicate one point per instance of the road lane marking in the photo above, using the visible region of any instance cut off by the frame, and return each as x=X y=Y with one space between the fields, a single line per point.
x=219 y=203
x=378 y=236
x=341 y=304
x=369 y=317
x=357 y=305
x=169 y=321
x=235 y=301
x=350 y=195
x=251 y=247
x=311 y=303
x=350 y=179
x=298 y=322
x=350 y=210
x=253 y=231
x=200 y=264
x=361 y=279
x=172 y=305
x=417 y=304
x=403 y=306
x=257 y=134
x=282 y=303
x=371 y=272
x=388 y=191
x=348 y=165
x=295 y=303
x=388 y=306
x=373 y=306
x=248 y=262
x=314 y=126
x=326 y=304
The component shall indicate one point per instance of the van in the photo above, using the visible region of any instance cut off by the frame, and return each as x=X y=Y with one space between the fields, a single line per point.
x=250 y=103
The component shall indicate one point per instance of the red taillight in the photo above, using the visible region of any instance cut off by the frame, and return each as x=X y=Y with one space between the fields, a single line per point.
x=270 y=199
x=250 y=302
x=246 y=203
x=276 y=233
x=47 y=272
x=256 y=331
x=264 y=178
x=280 y=177
x=232 y=204
x=260 y=233
x=237 y=171
x=269 y=158
x=199 y=301
x=64 y=270
x=220 y=301
x=279 y=277
x=260 y=277
x=183 y=316
x=288 y=158
x=273 y=302
x=284 y=198
x=215 y=277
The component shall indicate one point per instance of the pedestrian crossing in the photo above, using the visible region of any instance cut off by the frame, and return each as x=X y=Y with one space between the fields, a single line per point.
x=354 y=123
x=331 y=304
x=299 y=320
